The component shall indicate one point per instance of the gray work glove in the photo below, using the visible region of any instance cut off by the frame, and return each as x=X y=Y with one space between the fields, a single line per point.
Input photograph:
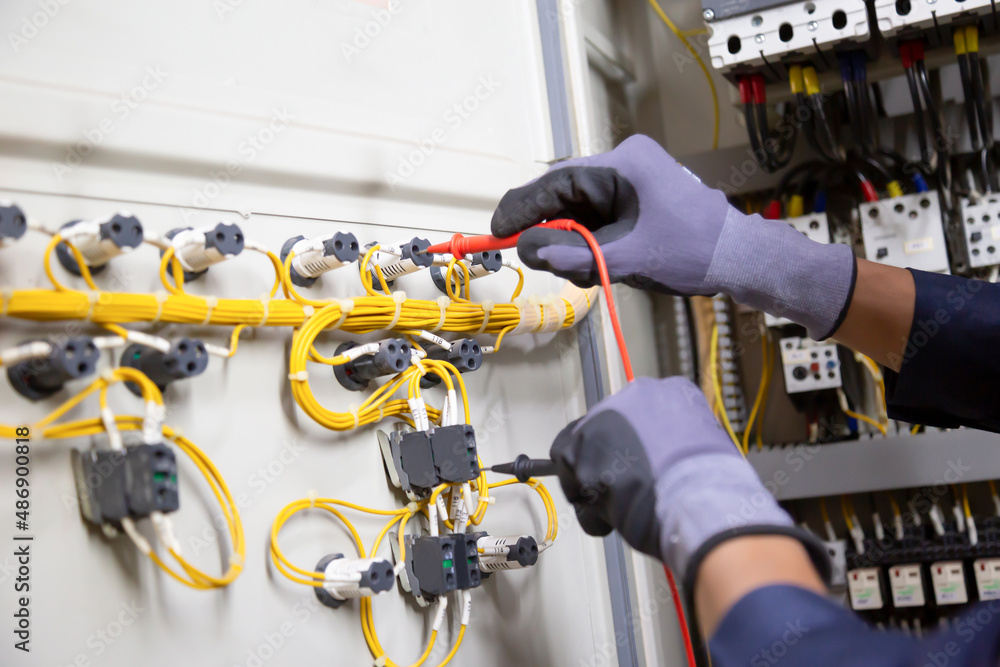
x=653 y=463
x=662 y=229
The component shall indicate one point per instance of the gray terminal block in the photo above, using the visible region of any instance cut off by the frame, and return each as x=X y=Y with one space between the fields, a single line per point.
x=185 y=359
x=120 y=233
x=424 y=459
x=465 y=354
x=134 y=482
x=39 y=378
x=393 y=356
x=13 y=224
x=432 y=564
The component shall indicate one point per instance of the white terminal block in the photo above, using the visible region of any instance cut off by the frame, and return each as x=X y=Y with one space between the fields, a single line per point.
x=948 y=581
x=809 y=365
x=987 y=578
x=906 y=231
x=865 y=588
x=794 y=29
x=401 y=259
x=512 y=552
x=100 y=241
x=815 y=227
x=909 y=16
x=351 y=578
x=981 y=230
x=198 y=249
x=907 y=586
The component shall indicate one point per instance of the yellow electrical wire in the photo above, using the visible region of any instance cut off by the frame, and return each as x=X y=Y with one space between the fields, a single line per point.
x=844 y=504
x=708 y=76
x=765 y=353
x=965 y=501
x=714 y=370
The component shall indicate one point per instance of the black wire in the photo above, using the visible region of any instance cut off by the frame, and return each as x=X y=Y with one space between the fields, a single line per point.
x=816 y=101
x=970 y=109
x=942 y=144
x=870 y=115
x=918 y=111
x=979 y=97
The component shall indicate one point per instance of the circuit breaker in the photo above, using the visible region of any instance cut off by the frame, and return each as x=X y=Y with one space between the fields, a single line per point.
x=981 y=229
x=894 y=17
x=865 y=588
x=760 y=32
x=948 y=580
x=808 y=365
x=906 y=583
x=906 y=231
x=987 y=571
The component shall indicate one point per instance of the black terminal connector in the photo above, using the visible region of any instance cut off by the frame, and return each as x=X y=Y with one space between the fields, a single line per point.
x=393 y=357
x=465 y=355
x=467 y=574
x=120 y=233
x=483 y=263
x=413 y=256
x=378 y=577
x=432 y=561
x=41 y=377
x=424 y=459
x=13 y=224
x=314 y=257
x=114 y=484
x=185 y=359
x=206 y=246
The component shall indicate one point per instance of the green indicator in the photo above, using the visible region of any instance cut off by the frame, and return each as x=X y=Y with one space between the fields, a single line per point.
x=159 y=476
x=472 y=561
x=136 y=355
x=173 y=478
x=448 y=563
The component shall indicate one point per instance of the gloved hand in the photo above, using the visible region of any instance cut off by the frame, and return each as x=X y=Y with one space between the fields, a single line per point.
x=660 y=228
x=653 y=463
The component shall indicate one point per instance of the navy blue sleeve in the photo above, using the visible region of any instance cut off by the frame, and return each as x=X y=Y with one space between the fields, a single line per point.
x=950 y=373
x=794 y=627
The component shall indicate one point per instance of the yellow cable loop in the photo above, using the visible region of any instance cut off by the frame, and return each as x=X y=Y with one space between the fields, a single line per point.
x=708 y=76
x=84 y=269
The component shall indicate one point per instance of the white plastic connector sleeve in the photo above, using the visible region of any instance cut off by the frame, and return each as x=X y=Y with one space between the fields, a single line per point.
x=164 y=529
x=956 y=511
x=300 y=376
x=155 y=342
x=18 y=354
x=917 y=521
x=140 y=542
x=360 y=351
x=898 y=523
x=470 y=507
x=487 y=349
x=879 y=528
x=443 y=302
x=111 y=428
x=451 y=400
x=217 y=350
x=256 y=247
x=859 y=540
x=466 y=607
x=445 y=417
x=440 y=506
x=830 y=535
x=152 y=425
x=487 y=307
x=398 y=298
x=542 y=546
x=432 y=338
x=432 y=519
x=419 y=411
x=439 y=616
x=973 y=533
x=108 y=342
x=937 y=519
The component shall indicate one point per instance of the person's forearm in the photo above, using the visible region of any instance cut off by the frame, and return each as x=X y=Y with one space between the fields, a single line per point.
x=880 y=314
x=743 y=564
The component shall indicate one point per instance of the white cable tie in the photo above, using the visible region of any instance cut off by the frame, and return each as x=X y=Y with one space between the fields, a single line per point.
x=93 y=297
x=311 y=497
x=265 y=302
x=558 y=305
x=108 y=375
x=443 y=302
x=236 y=561
x=346 y=306
x=529 y=315
x=353 y=411
x=140 y=542
x=108 y=342
x=467 y=607
x=307 y=313
x=412 y=507
x=415 y=361
x=534 y=483
x=6 y=294
x=379 y=661
x=210 y=303
x=439 y=617
x=489 y=500
x=301 y=376
x=487 y=307
x=256 y=247
x=397 y=298
x=155 y=342
x=161 y=298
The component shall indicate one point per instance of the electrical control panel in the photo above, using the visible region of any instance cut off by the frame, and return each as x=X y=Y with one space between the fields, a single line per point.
x=906 y=231
x=980 y=220
x=906 y=17
x=765 y=33
x=809 y=365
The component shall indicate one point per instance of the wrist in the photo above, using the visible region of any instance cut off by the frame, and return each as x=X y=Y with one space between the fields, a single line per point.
x=768 y=265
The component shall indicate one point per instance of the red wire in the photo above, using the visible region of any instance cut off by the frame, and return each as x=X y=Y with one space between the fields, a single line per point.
x=602 y=270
